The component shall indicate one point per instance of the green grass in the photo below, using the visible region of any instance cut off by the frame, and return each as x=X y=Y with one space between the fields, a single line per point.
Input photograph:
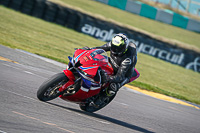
x=33 y=35
x=56 y=42
x=143 y=23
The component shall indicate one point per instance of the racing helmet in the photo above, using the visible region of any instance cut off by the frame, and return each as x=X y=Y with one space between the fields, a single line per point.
x=119 y=44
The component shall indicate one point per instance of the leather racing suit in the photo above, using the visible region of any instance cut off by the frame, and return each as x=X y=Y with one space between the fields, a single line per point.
x=123 y=65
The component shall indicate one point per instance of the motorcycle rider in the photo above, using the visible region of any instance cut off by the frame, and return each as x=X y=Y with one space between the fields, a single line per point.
x=123 y=58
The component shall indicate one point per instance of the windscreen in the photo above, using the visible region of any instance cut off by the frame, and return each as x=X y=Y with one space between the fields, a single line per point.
x=99 y=55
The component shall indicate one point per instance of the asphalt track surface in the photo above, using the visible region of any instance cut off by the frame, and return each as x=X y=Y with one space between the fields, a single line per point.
x=130 y=112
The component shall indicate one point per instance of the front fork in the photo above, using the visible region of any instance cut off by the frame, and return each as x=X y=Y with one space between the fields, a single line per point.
x=66 y=88
x=70 y=81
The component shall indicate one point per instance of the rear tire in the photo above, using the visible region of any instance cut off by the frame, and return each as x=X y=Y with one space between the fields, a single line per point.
x=49 y=89
x=86 y=107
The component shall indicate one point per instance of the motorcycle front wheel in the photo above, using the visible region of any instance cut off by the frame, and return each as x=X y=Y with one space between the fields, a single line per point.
x=49 y=90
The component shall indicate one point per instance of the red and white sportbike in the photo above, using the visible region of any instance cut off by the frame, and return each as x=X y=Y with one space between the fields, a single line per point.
x=82 y=82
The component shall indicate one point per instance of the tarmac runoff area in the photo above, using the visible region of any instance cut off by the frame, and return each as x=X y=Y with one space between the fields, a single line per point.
x=149 y=93
x=161 y=96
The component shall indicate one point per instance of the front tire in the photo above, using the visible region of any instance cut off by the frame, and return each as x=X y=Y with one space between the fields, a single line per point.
x=50 y=89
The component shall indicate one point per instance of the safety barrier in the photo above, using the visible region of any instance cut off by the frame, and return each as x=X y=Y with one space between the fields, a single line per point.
x=104 y=30
x=165 y=16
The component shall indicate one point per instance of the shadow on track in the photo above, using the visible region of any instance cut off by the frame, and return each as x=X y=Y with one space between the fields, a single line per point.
x=109 y=119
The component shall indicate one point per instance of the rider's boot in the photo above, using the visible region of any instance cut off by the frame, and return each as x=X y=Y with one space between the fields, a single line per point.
x=114 y=87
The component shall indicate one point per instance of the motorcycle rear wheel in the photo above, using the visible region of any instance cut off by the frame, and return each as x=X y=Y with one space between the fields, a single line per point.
x=49 y=90
x=88 y=108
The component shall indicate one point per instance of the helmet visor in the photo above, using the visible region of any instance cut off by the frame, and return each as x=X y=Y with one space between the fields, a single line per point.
x=117 y=50
x=118 y=45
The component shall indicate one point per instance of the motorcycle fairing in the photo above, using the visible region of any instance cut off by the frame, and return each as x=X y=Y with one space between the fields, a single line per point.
x=88 y=83
x=135 y=75
x=90 y=70
x=77 y=57
x=71 y=78
x=87 y=89
x=90 y=57
x=88 y=63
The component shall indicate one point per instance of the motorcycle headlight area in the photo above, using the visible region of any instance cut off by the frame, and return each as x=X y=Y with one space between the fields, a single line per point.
x=85 y=75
